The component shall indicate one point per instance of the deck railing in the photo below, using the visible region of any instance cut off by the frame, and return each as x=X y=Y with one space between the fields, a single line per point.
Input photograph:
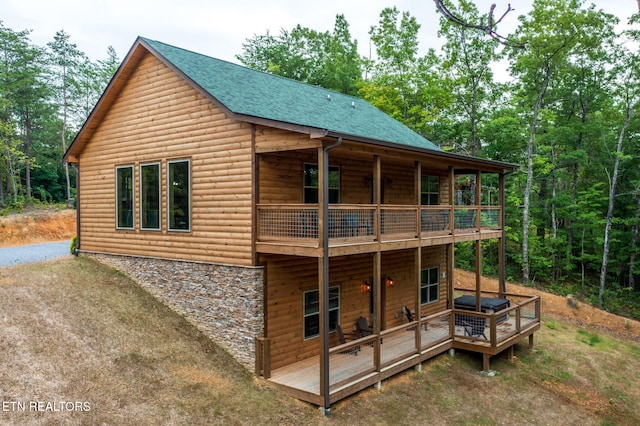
x=299 y=222
x=524 y=312
x=366 y=359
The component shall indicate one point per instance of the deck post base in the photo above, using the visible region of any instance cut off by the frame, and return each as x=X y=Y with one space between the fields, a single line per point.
x=531 y=342
x=326 y=411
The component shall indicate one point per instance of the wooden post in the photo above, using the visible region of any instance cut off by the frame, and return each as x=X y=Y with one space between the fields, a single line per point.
x=377 y=182
x=418 y=283
x=531 y=342
x=478 y=244
x=510 y=353
x=323 y=287
x=502 y=287
x=450 y=275
x=418 y=253
x=478 y=275
x=452 y=200
x=377 y=285
x=417 y=178
x=485 y=362
x=323 y=271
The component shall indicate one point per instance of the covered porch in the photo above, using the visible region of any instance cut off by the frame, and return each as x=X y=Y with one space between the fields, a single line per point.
x=367 y=361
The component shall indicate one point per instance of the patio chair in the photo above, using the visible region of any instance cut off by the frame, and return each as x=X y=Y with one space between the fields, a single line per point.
x=411 y=318
x=363 y=327
x=342 y=339
x=475 y=327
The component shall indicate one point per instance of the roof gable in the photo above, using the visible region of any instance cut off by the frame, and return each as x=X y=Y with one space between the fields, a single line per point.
x=252 y=93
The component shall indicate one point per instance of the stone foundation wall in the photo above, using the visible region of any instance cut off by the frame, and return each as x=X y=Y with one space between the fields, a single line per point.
x=225 y=302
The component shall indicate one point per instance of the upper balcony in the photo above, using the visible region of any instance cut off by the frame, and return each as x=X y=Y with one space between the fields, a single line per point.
x=375 y=202
x=359 y=228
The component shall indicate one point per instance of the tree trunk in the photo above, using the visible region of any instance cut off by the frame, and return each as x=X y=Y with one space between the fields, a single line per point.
x=612 y=195
x=64 y=144
x=634 y=247
x=27 y=154
x=526 y=268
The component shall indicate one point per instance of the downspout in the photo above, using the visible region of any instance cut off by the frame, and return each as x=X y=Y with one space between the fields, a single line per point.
x=77 y=168
x=325 y=272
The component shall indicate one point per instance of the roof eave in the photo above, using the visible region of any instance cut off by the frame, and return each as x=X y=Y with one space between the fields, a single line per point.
x=493 y=164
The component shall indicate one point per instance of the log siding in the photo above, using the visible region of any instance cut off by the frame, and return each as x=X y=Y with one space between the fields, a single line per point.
x=158 y=117
x=289 y=277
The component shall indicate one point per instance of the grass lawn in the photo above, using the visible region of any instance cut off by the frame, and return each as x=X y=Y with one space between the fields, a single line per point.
x=82 y=344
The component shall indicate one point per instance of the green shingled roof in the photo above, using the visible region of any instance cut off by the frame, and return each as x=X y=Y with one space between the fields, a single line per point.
x=258 y=94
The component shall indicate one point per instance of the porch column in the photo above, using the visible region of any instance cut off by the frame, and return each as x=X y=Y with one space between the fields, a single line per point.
x=417 y=178
x=502 y=287
x=323 y=270
x=377 y=183
x=377 y=291
x=418 y=282
x=451 y=247
x=478 y=241
x=452 y=200
x=377 y=260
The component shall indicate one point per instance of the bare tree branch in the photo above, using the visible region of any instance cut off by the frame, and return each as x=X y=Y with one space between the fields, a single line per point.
x=489 y=29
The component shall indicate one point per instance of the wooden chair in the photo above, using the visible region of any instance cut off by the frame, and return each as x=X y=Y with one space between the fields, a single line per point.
x=342 y=339
x=363 y=327
x=411 y=318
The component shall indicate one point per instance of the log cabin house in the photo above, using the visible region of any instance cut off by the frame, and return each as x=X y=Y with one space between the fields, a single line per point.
x=304 y=230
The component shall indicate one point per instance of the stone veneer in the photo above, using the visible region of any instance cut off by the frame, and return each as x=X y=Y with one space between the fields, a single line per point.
x=225 y=302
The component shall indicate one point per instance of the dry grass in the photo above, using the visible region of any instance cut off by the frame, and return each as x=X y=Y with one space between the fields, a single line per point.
x=73 y=330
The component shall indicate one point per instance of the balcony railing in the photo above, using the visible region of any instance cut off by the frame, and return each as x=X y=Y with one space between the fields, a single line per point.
x=366 y=222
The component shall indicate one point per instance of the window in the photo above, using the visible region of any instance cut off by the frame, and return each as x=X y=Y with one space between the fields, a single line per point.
x=179 y=195
x=150 y=196
x=311 y=184
x=124 y=197
x=430 y=190
x=312 y=311
x=429 y=285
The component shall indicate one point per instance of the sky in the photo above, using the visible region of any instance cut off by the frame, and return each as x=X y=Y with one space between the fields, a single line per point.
x=218 y=28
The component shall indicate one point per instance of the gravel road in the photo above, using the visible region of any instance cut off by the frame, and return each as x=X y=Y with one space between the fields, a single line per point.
x=11 y=256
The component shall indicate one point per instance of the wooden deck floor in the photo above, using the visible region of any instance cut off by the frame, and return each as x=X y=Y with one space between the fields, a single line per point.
x=398 y=346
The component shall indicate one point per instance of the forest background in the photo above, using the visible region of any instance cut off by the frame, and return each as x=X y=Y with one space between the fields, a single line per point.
x=568 y=116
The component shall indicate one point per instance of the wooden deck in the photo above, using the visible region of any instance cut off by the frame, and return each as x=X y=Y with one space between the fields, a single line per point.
x=354 y=366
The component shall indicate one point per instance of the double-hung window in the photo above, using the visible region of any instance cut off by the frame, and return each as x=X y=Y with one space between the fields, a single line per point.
x=429 y=285
x=124 y=197
x=150 y=196
x=430 y=190
x=179 y=195
x=311 y=311
x=311 y=184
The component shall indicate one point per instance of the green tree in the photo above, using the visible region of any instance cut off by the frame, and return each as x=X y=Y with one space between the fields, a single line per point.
x=403 y=84
x=326 y=59
x=66 y=61
x=553 y=31
x=467 y=59
x=628 y=95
